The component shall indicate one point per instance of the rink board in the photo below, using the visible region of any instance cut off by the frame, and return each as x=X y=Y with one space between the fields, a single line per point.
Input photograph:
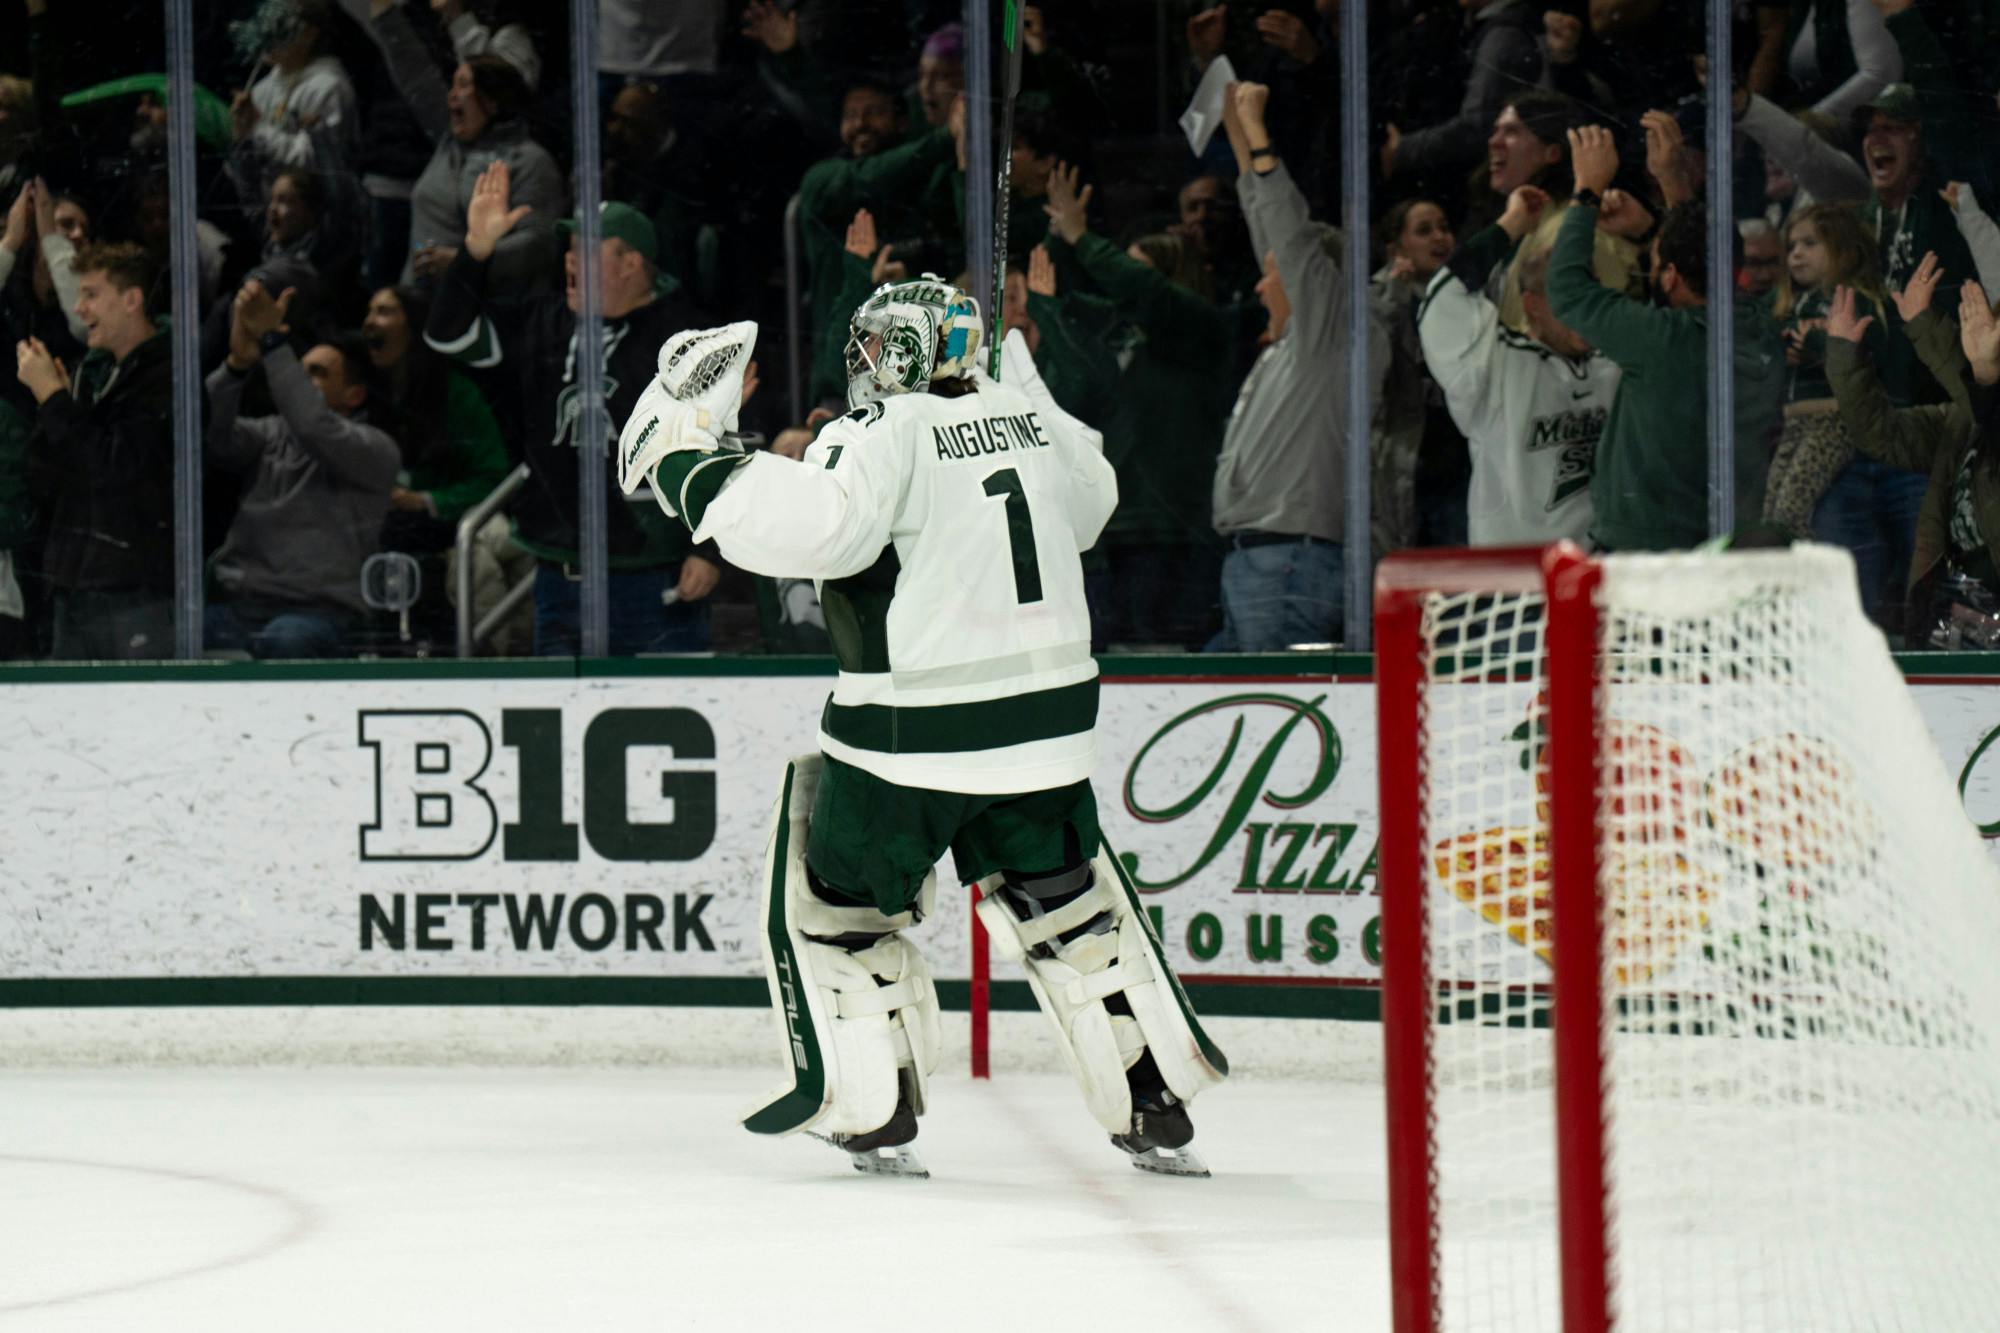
x=594 y=833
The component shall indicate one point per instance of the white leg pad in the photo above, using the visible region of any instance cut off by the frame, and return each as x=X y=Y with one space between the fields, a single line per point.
x=1071 y=988
x=849 y=1021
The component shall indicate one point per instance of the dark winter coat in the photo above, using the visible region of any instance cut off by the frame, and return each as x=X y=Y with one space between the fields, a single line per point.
x=101 y=462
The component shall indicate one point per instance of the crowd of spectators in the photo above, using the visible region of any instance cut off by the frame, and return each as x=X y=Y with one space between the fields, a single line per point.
x=388 y=296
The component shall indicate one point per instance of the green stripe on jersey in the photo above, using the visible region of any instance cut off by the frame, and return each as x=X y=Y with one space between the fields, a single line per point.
x=857 y=614
x=691 y=479
x=987 y=724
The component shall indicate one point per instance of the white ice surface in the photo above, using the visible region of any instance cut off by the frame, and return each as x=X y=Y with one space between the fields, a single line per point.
x=629 y=1198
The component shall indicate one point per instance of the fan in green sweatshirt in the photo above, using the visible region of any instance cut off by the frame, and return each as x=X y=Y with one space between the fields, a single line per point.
x=1650 y=491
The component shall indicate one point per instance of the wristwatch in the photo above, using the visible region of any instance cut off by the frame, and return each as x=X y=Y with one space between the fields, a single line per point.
x=1588 y=198
x=273 y=340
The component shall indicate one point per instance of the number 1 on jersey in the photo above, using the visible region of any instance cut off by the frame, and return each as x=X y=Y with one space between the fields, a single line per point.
x=1020 y=534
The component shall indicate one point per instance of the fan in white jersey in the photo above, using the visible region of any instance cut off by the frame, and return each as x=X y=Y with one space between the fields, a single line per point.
x=943 y=520
x=1531 y=409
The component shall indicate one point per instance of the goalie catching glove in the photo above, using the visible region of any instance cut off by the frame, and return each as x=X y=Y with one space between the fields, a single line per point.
x=690 y=407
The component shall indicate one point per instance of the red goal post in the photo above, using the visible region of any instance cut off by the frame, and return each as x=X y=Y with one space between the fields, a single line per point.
x=1403 y=583
x=1689 y=1010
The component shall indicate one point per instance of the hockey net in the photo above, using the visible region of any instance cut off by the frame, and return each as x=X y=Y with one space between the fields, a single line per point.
x=1690 y=1001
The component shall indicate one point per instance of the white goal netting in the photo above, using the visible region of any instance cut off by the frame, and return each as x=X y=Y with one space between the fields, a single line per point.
x=1802 y=1087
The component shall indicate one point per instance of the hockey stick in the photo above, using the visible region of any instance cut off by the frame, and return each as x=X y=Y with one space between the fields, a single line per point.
x=1003 y=151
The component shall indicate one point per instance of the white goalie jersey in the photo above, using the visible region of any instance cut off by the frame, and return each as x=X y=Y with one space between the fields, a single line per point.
x=945 y=536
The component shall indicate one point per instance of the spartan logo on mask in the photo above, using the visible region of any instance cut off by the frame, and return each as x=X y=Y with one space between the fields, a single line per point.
x=903 y=346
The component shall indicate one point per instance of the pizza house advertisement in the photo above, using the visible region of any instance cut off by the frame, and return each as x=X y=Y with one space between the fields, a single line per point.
x=616 y=826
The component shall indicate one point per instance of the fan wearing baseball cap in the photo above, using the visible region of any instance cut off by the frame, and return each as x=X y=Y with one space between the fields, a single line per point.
x=659 y=579
x=1915 y=142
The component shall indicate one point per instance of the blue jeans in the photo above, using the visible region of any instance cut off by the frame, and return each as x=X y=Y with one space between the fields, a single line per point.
x=640 y=622
x=1279 y=594
x=1871 y=509
x=270 y=631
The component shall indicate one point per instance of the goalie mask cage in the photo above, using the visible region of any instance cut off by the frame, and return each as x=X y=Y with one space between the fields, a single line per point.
x=1689 y=974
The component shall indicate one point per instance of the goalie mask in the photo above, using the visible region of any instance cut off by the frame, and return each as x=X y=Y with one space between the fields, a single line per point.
x=907 y=334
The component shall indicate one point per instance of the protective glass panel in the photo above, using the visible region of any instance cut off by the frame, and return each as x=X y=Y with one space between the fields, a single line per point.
x=87 y=464
x=350 y=428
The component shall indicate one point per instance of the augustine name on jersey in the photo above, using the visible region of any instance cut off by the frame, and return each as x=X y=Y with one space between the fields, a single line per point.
x=1575 y=433
x=989 y=435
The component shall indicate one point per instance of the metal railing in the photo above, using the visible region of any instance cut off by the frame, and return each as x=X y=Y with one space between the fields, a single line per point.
x=470 y=635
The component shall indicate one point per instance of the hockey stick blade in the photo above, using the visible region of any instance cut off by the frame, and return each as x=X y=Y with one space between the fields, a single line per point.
x=1168 y=1161
x=896 y=1161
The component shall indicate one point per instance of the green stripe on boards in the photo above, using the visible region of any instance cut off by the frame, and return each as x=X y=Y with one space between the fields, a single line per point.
x=808 y=1092
x=959 y=728
x=1217 y=999
x=406 y=991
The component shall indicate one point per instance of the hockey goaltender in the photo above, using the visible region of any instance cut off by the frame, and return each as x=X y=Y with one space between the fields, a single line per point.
x=943 y=518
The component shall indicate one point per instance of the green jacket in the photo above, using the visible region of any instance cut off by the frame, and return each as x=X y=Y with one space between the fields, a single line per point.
x=1079 y=367
x=474 y=458
x=1933 y=438
x=1650 y=491
x=904 y=188
x=1164 y=430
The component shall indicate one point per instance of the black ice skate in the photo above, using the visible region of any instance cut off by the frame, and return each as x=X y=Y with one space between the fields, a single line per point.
x=885 y=1151
x=1161 y=1129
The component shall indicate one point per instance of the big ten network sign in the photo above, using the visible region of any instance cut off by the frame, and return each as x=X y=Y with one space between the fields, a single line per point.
x=1253 y=829
x=447 y=789
x=1244 y=812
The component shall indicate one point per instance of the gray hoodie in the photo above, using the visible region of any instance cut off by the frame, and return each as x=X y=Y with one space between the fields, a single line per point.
x=317 y=490
x=444 y=190
x=1283 y=464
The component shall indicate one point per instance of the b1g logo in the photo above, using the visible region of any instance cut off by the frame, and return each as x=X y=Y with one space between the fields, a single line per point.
x=430 y=804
